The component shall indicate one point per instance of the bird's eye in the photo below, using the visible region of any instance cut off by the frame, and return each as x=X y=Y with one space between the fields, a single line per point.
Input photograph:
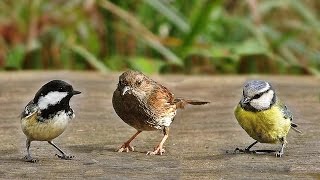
x=139 y=82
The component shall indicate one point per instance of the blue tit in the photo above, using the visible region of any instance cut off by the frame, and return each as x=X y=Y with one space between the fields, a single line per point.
x=263 y=116
x=47 y=115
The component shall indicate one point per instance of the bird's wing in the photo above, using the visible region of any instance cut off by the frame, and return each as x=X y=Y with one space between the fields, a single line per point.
x=288 y=115
x=161 y=106
x=29 y=110
x=161 y=98
x=285 y=111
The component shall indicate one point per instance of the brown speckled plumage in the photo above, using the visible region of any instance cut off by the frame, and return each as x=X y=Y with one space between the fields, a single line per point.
x=145 y=105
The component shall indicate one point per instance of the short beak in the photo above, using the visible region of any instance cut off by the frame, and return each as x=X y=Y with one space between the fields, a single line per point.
x=125 y=90
x=76 y=92
x=245 y=100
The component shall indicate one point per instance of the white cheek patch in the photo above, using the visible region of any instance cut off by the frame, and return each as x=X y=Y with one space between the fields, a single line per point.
x=263 y=102
x=51 y=98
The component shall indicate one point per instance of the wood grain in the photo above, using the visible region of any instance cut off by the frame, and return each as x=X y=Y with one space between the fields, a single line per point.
x=200 y=143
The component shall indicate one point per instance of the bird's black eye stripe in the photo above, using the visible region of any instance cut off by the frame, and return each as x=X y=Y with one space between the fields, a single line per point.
x=257 y=96
x=260 y=94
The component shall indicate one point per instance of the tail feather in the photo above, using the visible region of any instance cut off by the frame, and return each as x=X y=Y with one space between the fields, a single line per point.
x=294 y=127
x=181 y=103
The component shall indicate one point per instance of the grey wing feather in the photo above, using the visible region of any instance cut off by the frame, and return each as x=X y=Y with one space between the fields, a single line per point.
x=286 y=112
x=288 y=115
x=29 y=109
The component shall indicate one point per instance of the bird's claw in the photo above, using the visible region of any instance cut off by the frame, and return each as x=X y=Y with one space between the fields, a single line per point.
x=28 y=158
x=126 y=148
x=247 y=151
x=65 y=157
x=279 y=154
x=157 y=151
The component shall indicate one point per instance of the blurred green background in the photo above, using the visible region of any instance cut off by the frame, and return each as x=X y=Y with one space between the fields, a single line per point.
x=162 y=36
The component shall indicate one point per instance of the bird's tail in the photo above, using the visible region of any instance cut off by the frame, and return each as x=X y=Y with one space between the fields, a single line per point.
x=181 y=103
x=294 y=127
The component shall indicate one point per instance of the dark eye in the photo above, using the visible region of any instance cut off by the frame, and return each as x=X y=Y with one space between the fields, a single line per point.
x=139 y=82
x=257 y=96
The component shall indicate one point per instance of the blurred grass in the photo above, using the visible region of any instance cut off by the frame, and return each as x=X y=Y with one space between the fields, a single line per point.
x=162 y=36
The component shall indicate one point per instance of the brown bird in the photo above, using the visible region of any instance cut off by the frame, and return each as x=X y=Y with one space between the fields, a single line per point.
x=147 y=106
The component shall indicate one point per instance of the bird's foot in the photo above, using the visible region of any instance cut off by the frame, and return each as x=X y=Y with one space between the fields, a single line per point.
x=28 y=158
x=126 y=148
x=65 y=157
x=247 y=151
x=263 y=151
x=279 y=154
x=157 y=151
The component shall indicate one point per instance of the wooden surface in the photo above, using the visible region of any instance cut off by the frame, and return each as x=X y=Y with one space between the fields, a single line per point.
x=199 y=140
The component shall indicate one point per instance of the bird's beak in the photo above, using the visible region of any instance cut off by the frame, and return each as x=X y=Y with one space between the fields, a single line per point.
x=125 y=90
x=245 y=100
x=75 y=92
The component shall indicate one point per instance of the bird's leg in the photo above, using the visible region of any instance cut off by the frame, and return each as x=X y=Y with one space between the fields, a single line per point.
x=159 y=149
x=280 y=153
x=247 y=149
x=126 y=146
x=28 y=157
x=63 y=155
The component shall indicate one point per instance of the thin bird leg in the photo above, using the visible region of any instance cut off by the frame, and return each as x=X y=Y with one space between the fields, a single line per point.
x=159 y=149
x=126 y=146
x=28 y=157
x=247 y=149
x=63 y=155
x=280 y=153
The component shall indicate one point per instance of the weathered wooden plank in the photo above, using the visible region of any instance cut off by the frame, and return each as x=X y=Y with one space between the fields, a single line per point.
x=198 y=141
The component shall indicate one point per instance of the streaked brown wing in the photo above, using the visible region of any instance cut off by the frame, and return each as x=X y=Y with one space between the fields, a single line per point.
x=161 y=100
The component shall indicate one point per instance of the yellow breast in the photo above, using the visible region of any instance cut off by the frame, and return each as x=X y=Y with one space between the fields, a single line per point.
x=43 y=131
x=266 y=126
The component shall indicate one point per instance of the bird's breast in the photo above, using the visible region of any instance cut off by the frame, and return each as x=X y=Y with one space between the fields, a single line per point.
x=138 y=113
x=45 y=130
x=267 y=126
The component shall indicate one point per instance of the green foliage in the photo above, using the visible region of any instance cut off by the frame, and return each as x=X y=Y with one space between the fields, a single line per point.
x=207 y=36
x=146 y=65
x=15 y=57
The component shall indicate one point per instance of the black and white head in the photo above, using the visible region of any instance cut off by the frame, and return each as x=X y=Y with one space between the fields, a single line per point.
x=54 y=97
x=258 y=95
